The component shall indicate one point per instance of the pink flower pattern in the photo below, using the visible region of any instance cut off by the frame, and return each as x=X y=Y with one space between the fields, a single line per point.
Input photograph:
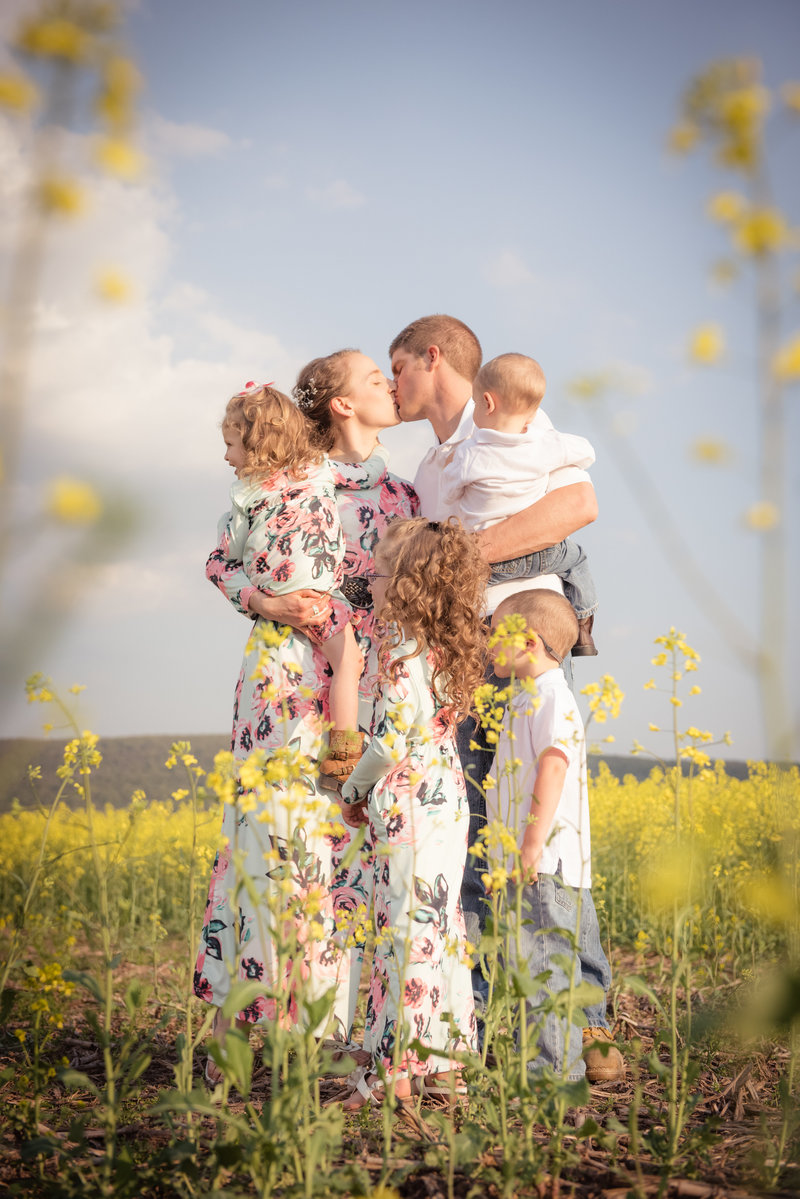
x=283 y=535
x=419 y=816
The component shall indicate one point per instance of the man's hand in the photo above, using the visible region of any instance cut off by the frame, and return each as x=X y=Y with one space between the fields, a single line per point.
x=297 y=608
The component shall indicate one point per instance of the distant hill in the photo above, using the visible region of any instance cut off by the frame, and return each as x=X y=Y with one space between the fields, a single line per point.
x=130 y=763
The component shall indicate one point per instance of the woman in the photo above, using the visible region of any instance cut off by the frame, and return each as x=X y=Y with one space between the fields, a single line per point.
x=348 y=400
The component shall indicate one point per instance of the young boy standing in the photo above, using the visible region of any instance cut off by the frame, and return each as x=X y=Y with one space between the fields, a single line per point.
x=541 y=795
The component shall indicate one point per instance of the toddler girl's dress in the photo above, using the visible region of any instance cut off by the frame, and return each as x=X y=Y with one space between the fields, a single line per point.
x=419 y=819
x=273 y=870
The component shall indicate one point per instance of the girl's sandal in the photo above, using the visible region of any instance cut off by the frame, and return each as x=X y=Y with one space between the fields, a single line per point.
x=428 y=1088
x=212 y=1073
x=347 y=1051
x=367 y=1091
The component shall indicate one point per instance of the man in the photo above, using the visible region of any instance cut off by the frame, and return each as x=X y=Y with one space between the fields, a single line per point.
x=434 y=361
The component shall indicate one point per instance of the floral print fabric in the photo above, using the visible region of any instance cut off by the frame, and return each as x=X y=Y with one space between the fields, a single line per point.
x=293 y=535
x=419 y=820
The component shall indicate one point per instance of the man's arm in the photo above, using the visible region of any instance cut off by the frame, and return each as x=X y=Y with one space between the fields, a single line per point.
x=545 y=523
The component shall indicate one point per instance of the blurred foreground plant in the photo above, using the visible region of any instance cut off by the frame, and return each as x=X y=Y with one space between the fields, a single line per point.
x=68 y=71
x=725 y=109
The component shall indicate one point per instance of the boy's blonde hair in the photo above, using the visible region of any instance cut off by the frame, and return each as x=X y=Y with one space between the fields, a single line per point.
x=435 y=595
x=547 y=613
x=517 y=381
x=456 y=342
x=275 y=435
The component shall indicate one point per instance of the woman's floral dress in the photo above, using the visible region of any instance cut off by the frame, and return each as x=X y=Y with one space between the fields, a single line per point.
x=299 y=539
x=269 y=917
x=419 y=820
x=369 y=498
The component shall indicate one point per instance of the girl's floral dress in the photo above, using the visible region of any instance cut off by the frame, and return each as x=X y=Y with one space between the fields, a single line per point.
x=419 y=820
x=286 y=704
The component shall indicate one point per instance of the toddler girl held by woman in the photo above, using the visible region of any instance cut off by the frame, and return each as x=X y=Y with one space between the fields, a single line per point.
x=427 y=585
x=250 y=431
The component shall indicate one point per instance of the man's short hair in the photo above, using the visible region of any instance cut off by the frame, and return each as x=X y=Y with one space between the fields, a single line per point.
x=549 y=614
x=517 y=380
x=457 y=344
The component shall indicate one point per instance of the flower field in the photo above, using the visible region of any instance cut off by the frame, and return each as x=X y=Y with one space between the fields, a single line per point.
x=696 y=884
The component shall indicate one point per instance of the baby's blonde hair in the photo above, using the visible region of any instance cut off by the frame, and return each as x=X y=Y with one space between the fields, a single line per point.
x=435 y=595
x=276 y=436
x=547 y=613
x=516 y=381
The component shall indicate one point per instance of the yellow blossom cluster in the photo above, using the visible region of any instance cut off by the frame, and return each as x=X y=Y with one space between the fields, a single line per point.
x=605 y=698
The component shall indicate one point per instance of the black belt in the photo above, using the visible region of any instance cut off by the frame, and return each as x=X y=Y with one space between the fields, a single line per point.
x=356 y=590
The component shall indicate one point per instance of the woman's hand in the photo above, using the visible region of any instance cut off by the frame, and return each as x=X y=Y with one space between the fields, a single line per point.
x=296 y=608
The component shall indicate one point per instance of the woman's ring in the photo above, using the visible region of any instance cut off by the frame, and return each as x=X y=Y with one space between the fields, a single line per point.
x=315 y=610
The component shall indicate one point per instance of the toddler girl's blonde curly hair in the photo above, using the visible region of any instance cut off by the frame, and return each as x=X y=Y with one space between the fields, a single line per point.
x=275 y=435
x=435 y=594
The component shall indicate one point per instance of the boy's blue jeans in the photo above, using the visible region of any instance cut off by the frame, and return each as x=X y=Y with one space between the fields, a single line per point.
x=476 y=764
x=567 y=560
x=547 y=906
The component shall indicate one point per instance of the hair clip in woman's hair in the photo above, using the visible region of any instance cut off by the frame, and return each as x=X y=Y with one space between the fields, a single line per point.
x=435 y=526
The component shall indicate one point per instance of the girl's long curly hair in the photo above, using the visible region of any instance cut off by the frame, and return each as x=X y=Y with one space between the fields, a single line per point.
x=276 y=436
x=435 y=594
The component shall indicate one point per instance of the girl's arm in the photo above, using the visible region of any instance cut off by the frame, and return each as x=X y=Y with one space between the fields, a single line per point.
x=396 y=713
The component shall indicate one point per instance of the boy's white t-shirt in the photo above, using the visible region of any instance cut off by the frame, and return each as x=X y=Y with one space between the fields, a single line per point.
x=533 y=722
x=428 y=486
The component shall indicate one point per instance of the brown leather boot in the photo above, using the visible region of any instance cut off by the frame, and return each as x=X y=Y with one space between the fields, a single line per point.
x=344 y=752
x=585 y=647
x=604 y=1064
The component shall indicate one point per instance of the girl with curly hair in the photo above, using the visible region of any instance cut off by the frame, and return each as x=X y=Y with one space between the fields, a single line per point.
x=428 y=586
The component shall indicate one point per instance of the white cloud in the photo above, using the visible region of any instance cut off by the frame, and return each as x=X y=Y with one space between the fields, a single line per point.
x=184 y=140
x=337 y=194
x=507 y=269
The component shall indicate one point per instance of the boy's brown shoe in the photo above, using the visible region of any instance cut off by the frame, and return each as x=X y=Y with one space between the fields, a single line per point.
x=585 y=647
x=604 y=1064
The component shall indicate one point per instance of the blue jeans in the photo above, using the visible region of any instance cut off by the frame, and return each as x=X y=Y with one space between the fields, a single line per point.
x=547 y=939
x=567 y=560
x=476 y=764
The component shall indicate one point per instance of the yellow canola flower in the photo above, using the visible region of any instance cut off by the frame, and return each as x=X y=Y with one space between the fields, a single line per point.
x=790 y=94
x=17 y=92
x=55 y=38
x=786 y=363
x=706 y=344
x=761 y=231
x=119 y=157
x=762 y=516
x=113 y=285
x=726 y=207
x=121 y=82
x=73 y=502
x=683 y=137
x=711 y=451
x=62 y=195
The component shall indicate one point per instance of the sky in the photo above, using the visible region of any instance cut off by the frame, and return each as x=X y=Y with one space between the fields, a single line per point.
x=320 y=174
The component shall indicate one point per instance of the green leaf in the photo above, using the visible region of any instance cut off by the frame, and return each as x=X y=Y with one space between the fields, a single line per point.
x=84 y=980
